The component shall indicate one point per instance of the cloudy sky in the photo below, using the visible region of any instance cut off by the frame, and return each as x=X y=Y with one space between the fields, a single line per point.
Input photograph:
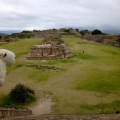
x=48 y=14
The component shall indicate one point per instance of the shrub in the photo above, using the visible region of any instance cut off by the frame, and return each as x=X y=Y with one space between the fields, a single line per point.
x=95 y=32
x=84 y=32
x=21 y=93
x=118 y=40
x=7 y=40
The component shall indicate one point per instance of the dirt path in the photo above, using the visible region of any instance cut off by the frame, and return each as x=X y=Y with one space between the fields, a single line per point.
x=43 y=106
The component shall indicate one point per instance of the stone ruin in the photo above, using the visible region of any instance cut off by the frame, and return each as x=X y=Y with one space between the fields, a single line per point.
x=56 y=33
x=11 y=112
x=47 y=33
x=49 y=48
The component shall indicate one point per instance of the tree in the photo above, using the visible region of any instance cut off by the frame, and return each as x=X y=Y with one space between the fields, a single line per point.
x=82 y=32
x=67 y=30
x=96 y=31
x=54 y=29
x=62 y=29
x=21 y=93
x=77 y=30
x=85 y=32
x=118 y=40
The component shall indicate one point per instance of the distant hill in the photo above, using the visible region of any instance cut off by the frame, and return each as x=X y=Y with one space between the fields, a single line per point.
x=104 y=29
x=10 y=31
x=3 y=35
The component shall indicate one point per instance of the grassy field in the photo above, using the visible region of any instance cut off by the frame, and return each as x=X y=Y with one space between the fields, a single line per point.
x=88 y=82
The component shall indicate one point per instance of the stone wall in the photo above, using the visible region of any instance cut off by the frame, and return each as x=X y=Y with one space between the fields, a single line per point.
x=47 y=33
x=7 y=113
x=49 y=49
x=55 y=33
x=48 y=53
x=105 y=39
x=69 y=117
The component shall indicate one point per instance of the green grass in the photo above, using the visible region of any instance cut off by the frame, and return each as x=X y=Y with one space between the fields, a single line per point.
x=88 y=82
x=103 y=108
x=114 y=52
x=7 y=102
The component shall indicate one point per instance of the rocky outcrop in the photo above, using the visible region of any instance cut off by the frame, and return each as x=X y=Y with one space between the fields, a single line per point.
x=49 y=48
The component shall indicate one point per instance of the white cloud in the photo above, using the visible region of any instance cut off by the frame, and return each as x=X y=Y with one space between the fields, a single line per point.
x=45 y=14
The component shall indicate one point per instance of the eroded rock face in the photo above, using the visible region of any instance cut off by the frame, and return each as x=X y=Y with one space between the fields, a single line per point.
x=49 y=48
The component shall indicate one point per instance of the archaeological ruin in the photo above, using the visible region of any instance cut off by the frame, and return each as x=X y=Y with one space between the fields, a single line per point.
x=47 y=33
x=49 y=48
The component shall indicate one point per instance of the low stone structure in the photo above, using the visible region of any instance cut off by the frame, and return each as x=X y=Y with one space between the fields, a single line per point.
x=77 y=34
x=56 y=33
x=47 y=33
x=49 y=48
x=69 y=117
x=7 y=112
x=104 y=39
x=11 y=39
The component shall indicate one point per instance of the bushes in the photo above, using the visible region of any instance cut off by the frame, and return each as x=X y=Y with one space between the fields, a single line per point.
x=118 y=40
x=21 y=93
x=95 y=32
x=18 y=97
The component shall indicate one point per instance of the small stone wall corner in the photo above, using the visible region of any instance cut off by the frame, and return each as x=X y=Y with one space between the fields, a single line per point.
x=7 y=113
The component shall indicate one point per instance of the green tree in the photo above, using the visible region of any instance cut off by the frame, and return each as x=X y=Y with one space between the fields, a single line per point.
x=77 y=30
x=85 y=32
x=96 y=32
x=118 y=40
x=21 y=93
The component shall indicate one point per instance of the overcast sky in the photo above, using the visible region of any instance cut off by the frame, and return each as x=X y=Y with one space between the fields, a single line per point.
x=48 y=14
